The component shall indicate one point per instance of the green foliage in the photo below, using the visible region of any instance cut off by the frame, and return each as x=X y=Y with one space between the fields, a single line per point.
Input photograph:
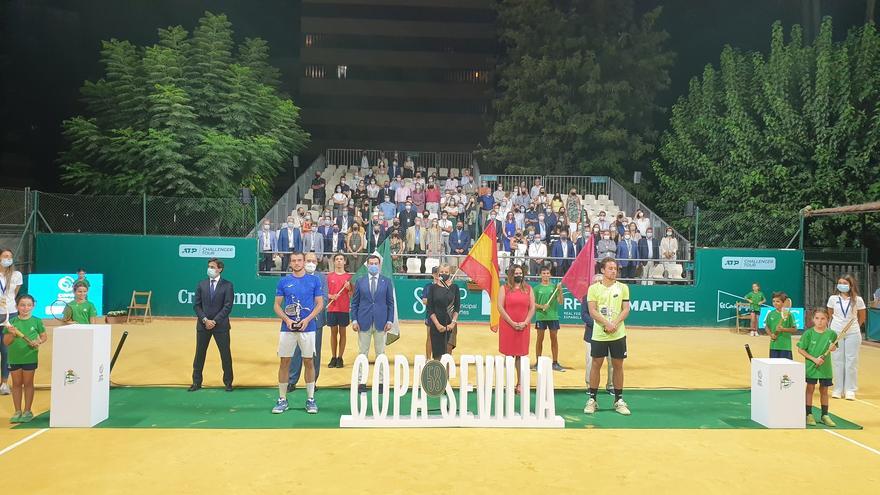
x=186 y=117
x=762 y=136
x=577 y=87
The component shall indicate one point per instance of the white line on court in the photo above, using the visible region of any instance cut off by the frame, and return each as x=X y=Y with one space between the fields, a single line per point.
x=868 y=403
x=24 y=440
x=850 y=440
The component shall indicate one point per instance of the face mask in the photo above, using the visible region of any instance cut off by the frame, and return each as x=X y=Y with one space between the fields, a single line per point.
x=310 y=267
x=408 y=207
x=606 y=237
x=518 y=278
x=373 y=269
x=627 y=237
x=595 y=231
x=649 y=235
x=265 y=227
x=212 y=272
x=335 y=229
x=376 y=230
x=7 y=262
x=387 y=200
x=601 y=217
x=445 y=277
x=841 y=287
x=669 y=234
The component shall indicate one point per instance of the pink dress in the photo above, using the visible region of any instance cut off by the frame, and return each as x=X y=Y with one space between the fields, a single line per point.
x=512 y=342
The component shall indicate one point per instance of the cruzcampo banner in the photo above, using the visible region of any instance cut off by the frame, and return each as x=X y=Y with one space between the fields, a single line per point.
x=171 y=267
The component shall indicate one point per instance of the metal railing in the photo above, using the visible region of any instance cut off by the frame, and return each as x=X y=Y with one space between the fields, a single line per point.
x=629 y=203
x=421 y=159
x=682 y=273
x=293 y=197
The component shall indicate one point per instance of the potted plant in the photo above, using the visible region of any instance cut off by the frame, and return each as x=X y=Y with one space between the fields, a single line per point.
x=118 y=316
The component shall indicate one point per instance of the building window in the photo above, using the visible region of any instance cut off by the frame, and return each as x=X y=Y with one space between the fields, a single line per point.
x=341 y=71
x=310 y=40
x=315 y=71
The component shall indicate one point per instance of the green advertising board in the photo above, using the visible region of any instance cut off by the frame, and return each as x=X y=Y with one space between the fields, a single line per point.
x=171 y=267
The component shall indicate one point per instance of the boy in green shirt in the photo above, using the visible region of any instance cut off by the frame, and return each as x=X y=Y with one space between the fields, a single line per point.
x=780 y=329
x=548 y=297
x=756 y=299
x=24 y=334
x=813 y=346
x=81 y=310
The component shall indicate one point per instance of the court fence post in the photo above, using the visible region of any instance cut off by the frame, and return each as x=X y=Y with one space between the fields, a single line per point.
x=145 y=212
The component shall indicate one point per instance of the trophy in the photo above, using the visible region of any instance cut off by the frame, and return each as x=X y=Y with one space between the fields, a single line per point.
x=294 y=311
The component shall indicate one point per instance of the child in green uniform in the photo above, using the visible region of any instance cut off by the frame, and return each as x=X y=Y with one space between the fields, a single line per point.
x=81 y=278
x=24 y=334
x=547 y=316
x=814 y=343
x=81 y=310
x=780 y=329
x=756 y=299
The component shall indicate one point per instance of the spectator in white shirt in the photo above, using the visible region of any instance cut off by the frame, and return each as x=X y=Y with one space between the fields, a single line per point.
x=642 y=221
x=466 y=181
x=668 y=251
x=365 y=162
x=536 y=189
x=451 y=183
x=537 y=254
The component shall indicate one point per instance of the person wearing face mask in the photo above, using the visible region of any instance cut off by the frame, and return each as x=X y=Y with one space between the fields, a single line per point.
x=603 y=223
x=289 y=240
x=407 y=216
x=551 y=220
x=627 y=254
x=10 y=284
x=418 y=198
x=319 y=189
x=445 y=225
x=213 y=304
x=516 y=303
x=444 y=304
x=339 y=199
x=562 y=253
x=847 y=308
x=296 y=361
x=537 y=253
x=372 y=311
x=335 y=241
x=401 y=194
x=433 y=240
x=432 y=199
x=668 y=251
x=398 y=248
x=541 y=231
x=355 y=243
x=267 y=242
x=375 y=236
x=649 y=252
x=459 y=242
x=388 y=208
x=313 y=241
x=606 y=247
x=416 y=241
x=585 y=237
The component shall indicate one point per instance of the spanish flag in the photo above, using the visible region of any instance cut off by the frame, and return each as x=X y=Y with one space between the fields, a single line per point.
x=481 y=265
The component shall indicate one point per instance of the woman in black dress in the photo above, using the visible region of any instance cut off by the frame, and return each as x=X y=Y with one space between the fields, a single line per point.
x=444 y=304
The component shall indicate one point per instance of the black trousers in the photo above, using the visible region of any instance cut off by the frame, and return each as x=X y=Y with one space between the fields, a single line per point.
x=203 y=338
x=439 y=342
x=266 y=262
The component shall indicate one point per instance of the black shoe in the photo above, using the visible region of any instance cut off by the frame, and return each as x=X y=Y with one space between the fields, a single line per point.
x=291 y=387
x=193 y=387
x=228 y=387
x=332 y=363
x=339 y=363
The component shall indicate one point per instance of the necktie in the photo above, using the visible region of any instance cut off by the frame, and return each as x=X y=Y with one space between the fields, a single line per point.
x=212 y=289
x=372 y=286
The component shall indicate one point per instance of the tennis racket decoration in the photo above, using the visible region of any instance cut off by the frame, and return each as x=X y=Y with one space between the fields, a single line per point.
x=61 y=310
x=839 y=336
x=784 y=312
x=294 y=311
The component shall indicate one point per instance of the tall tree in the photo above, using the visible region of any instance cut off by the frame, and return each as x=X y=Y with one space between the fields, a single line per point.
x=189 y=116
x=762 y=136
x=577 y=87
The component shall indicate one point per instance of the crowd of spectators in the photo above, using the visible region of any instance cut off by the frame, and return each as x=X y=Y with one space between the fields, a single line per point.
x=434 y=219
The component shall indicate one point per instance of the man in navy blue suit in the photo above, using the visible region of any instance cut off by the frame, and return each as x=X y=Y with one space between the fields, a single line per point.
x=562 y=251
x=214 y=297
x=289 y=240
x=375 y=236
x=627 y=251
x=266 y=245
x=372 y=309
x=459 y=242
x=649 y=250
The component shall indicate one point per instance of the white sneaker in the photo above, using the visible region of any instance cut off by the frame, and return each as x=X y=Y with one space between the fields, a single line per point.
x=850 y=395
x=4 y=389
x=591 y=406
x=835 y=395
x=620 y=407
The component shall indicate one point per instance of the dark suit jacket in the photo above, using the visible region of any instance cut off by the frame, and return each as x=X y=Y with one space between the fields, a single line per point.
x=329 y=248
x=643 y=249
x=216 y=309
x=367 y=309
x=407 y=218
x=372 y=244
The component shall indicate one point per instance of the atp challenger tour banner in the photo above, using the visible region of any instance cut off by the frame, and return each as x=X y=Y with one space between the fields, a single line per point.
x=172 y=266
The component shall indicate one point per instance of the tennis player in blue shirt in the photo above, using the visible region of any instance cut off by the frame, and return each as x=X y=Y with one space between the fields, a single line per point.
x=298 y=301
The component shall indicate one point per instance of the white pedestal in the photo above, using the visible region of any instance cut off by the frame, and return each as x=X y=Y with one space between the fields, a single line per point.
x=80 y=375
x=778 y=393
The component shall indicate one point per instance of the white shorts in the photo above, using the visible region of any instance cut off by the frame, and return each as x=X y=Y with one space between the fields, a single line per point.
x=289 y=341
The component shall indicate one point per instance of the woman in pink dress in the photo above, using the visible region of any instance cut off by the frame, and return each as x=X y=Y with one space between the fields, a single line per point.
x=516 y=303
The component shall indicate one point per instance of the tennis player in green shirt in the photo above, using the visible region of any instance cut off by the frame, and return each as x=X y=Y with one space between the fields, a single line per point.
x=81 y=310
x=813 y=346
x=548 y=297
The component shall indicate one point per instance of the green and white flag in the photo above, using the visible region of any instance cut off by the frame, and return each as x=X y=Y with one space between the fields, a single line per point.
x=383 y=251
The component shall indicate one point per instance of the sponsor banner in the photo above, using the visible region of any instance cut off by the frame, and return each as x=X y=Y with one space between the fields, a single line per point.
x=748 y=263
x=206 y=251
x=49 y=288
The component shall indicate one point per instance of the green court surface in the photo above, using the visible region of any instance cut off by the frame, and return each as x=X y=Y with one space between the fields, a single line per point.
x=164 y=407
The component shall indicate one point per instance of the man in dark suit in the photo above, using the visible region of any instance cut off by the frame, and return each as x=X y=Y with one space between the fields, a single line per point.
x=562 y=252
x=459 y=242
x=627 y=253
x=289 y=240
x=213 y=304
x=344 y=221
x=334 y=242
x=372 y=309
x=407 y=216
x=375 y=237
x=649 y=249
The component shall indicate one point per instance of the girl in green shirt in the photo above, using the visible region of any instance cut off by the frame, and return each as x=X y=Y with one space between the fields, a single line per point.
x=24 y=334
x=813 y=346
x=756 y=299
x=81 y=310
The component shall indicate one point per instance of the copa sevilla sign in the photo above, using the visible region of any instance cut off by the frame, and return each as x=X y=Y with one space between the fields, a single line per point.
x=496 y=396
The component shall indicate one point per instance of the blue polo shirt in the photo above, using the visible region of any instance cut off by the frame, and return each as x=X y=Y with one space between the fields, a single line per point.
x=300 y=290
x=487 y=202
